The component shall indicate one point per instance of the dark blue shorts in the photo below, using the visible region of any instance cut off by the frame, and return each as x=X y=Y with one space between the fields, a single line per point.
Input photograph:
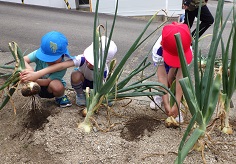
x=87 y=83
x=44 y=92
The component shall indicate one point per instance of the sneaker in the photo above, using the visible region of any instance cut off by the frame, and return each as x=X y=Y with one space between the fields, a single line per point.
x=63 y=101
x=158 y=101
x=80 y=99
x=179 y=118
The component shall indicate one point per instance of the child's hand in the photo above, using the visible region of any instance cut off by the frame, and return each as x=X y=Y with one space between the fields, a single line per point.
x=167 y=108
x=28 y=75
x=173 y=111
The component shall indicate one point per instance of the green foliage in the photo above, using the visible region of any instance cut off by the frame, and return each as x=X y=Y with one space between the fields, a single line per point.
x=11 y=83
x=113 y=88
x=228 y=76
x=202 y=97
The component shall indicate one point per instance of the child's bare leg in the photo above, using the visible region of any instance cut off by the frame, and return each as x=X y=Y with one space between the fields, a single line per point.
x=57 y=88
x=178 y=94
x=77 y=79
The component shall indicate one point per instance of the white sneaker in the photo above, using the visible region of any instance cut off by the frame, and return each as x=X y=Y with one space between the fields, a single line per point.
x=179 y=118
x=158 y=101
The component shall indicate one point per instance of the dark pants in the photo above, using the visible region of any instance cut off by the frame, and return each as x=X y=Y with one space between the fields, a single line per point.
x=87 y=83
x=206 y=19
x=44 y=92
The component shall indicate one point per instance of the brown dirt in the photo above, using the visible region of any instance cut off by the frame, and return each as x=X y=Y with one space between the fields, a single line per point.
x=129 y=133
x=139 y=126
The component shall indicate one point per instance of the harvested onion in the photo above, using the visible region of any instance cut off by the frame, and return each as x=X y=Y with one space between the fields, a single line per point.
x=170 y=122
x=84 y=112
x=30 y=89
x=227 y=130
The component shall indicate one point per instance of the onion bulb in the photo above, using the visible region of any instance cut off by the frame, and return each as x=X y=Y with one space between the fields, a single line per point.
x=30 y=89
x=84 y=112
x=170 y=122
x=227 y=130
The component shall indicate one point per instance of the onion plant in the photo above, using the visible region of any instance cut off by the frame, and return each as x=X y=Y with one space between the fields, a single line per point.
x=202 y=92
x=228 y=77
x=112 y=88
x=13 y=79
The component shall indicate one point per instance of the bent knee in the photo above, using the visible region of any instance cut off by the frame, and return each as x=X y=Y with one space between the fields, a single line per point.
x=56 y=85
x=76 y=77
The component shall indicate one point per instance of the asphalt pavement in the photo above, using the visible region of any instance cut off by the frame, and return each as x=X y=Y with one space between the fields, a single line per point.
x=26 y=24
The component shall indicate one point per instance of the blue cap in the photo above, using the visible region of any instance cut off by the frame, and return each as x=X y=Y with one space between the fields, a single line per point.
x=53 y=46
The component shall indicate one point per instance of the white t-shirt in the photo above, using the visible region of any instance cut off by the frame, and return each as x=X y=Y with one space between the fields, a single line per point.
x=80 y=63
x=157 y=55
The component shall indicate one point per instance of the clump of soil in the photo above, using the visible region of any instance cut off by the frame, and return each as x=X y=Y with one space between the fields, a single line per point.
x=35 y=118
x=51 y=135
x=139 y=126
x=32 y=115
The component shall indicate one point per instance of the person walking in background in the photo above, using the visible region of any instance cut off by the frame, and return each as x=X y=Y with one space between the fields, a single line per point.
x=165 y=56
x=191 y=11
x=53 y=50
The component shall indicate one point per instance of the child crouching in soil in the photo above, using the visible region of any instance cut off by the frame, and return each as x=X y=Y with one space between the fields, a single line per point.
x=53 y=50
x=165 y=56
x=82 y=76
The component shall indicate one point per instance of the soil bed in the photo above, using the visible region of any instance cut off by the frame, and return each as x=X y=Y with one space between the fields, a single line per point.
x=131 y=133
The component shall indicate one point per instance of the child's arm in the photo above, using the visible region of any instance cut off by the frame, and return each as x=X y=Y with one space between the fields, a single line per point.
x=27 y=66
x=27 y=75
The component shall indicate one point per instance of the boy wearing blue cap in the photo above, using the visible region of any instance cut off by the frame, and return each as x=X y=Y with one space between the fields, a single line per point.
x=82 y=77
x=53 y=49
